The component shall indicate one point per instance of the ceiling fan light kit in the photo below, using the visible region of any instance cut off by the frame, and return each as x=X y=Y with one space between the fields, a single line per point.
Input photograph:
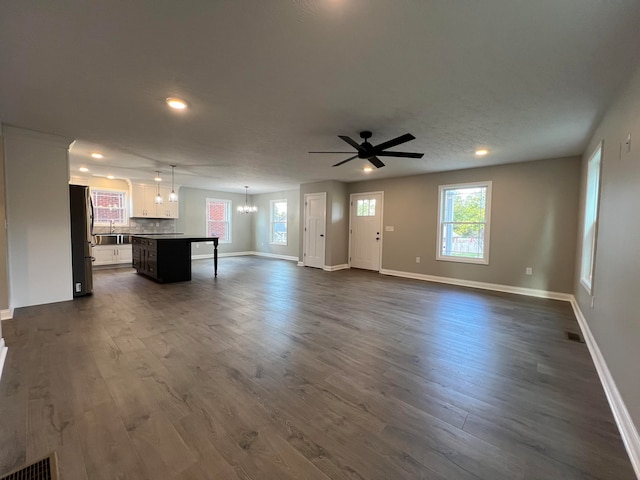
x=366 y=151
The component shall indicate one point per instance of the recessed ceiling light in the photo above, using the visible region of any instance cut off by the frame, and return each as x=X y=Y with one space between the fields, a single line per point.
x=97 y=155
x=110 y=177
x=482 y=152
x=83 y=169
x=176 y=103
x=368 y=169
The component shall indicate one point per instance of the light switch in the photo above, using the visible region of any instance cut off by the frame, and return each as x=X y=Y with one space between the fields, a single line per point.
x=389 y=228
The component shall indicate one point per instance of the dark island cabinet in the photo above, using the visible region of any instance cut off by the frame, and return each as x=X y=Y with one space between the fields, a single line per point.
x=164 y=261
x=167 y=258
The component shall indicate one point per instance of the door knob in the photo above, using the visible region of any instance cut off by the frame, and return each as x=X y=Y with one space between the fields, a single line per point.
x=322 y=234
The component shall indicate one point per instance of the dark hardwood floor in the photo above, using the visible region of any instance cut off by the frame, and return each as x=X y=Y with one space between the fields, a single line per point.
x=275 y=371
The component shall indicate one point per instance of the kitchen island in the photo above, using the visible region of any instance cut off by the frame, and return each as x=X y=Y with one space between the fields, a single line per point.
x=167 y=258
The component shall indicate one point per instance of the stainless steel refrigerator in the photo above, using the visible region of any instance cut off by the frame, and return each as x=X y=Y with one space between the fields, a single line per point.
x=81 y=209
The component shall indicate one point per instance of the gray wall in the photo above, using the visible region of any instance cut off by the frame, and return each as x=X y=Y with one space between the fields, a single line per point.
x=262 y=223
x=336 y=234
x=193 y=220
x=37 y=194
x=614 y=319
x=4 y=278
x=533 y=223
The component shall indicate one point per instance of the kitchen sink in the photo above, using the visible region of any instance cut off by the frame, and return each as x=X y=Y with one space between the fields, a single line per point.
x=112 y=239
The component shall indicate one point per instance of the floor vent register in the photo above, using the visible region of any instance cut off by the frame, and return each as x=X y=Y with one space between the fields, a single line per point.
x=44 y=469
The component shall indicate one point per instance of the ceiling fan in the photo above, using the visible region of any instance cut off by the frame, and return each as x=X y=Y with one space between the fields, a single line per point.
x=369 y=152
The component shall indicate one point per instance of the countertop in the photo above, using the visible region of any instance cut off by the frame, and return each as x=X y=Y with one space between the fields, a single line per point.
x=177 y=236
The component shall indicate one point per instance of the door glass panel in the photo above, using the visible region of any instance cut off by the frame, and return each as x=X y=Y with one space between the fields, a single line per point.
x=366 y=207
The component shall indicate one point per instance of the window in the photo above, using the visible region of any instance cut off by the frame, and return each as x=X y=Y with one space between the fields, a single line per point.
x=109 y=207
x=590 y=225
x=463 y=230
x=366 y=207
x=219 y=219
x=279 y=222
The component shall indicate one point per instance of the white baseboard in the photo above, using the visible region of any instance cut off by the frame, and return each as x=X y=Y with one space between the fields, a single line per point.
x=333 y=268
x=300 y=264
x=220 y=255
x=275 y=255
x=531 y=292
x=242 y=254
x=232 y=254
x=628 y=430
x=6 y=314
x=3 y=355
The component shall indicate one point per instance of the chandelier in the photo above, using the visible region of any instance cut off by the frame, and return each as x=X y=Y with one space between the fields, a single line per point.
x=246 y=208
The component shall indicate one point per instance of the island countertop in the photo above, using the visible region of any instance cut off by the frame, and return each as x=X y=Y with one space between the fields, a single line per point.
x=175 y=236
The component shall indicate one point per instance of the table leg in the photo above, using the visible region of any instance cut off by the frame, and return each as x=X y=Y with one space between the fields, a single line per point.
x=215 y=257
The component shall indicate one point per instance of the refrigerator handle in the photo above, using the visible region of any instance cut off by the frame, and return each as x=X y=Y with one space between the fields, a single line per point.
x=91 y=204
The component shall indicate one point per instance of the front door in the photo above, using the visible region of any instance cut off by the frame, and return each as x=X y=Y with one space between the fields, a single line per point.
x=366 y=224
x=315 y=205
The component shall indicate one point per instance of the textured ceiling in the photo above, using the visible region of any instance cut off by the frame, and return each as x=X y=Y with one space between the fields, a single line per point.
x=268 y=81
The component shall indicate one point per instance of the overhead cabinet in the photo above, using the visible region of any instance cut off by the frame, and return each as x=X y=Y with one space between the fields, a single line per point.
x=143 y=202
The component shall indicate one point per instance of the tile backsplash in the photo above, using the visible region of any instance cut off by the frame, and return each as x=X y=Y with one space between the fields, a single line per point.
x=142 y=225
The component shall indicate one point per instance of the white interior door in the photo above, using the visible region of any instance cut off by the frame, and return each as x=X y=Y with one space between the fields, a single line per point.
x=315 y=209
x=366 y=229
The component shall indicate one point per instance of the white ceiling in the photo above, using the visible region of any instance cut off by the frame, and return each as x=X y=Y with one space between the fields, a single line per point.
x=269 y=80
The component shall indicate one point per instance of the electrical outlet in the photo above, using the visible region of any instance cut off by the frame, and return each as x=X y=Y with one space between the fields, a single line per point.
x=417 y=259
x=528 y=271
x=78 y=287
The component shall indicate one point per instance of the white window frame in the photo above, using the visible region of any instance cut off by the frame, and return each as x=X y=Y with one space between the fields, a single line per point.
x=125 y=207
x=228 y=205
x=590 y=219
x=272 y=221
x=487 y=223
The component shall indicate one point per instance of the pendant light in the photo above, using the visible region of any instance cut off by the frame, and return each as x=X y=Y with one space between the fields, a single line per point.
x=173 y=196
x=246 y=208
x=158 y=196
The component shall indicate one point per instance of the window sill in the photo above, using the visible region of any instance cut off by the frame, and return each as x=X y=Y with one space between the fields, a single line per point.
x=476 y=261
x=278 y=243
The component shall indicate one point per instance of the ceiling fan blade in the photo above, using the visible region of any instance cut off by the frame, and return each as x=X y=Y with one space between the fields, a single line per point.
x=375 y=161
x=351 y=142
x=330 y=152
x=400 y=154
x=345 y=161
x=392 y=143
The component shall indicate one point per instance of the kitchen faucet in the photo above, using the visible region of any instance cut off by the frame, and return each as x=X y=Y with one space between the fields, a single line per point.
x=111 y=227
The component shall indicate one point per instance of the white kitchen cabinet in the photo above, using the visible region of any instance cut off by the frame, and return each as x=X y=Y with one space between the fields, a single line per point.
x=112 y=254
x=143 y=202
